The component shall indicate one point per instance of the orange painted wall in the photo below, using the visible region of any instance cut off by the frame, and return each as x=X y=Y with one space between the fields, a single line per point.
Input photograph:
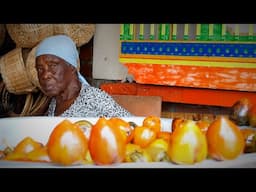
x=241 y=79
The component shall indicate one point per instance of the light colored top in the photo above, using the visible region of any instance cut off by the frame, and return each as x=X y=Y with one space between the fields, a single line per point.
x=91 y=102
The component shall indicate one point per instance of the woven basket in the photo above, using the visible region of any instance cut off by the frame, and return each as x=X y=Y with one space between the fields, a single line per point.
x=28 y=35
x=34 y=103
x=2 y=34
x=14 y=73
x=35 y=106
x=80 y=33
x=31 y=67
x=40 y=105
x=4 y=97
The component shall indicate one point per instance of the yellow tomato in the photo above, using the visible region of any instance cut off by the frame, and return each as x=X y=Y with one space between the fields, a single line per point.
x=24 y=147
x=188 y=144
x=158 y=150
x=39 y=155
x=27 y=145
x=134 y=153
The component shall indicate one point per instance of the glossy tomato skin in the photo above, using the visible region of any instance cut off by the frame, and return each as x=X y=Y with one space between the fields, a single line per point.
x=27 y=145
x=125 y=127
x=188 y=144
x=23 y=148
x=164 y=135
x=152 y=122
x=225 y=140
x=67 y=144
x=106 y=143
x=203 y=125
x=39 y=155
x=177 y=122
x=143 y=136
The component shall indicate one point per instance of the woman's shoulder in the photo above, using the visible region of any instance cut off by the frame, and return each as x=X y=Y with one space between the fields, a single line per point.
x=94 y=90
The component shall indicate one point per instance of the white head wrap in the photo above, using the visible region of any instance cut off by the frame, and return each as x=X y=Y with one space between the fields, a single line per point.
x=64 y=47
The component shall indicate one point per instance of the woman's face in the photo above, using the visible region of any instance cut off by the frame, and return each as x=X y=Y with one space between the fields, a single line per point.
x=54 y=74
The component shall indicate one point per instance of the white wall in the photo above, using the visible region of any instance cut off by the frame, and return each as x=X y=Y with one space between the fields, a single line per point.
x=106 y=46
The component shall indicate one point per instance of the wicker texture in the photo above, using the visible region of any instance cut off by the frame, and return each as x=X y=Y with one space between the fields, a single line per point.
x=34 y=103
x=4 y=98
x=14 y=73
x=31 y=67
x=80 y=33
x=28 y=35
x=40 y=105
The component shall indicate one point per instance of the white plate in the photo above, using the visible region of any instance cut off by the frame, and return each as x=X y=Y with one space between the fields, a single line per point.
x=14 y=129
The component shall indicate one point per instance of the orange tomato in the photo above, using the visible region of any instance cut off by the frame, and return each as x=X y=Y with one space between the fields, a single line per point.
x=152 y=122
x=67 y=144
x=164 y=135
x=124 y=126
x=225 y=140
x=106 y=143
x=203 y=125
x=176 y=122
x=143 y=136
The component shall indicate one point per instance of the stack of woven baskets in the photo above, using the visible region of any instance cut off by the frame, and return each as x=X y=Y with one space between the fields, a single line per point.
x=17 y=67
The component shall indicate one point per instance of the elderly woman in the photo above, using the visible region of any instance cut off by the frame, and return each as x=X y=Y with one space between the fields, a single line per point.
x=57 y=61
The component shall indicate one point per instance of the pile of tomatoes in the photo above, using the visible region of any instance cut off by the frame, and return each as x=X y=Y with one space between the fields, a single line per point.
x=114 y=140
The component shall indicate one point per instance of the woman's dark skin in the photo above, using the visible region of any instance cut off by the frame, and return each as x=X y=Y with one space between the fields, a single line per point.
x=58 y=79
